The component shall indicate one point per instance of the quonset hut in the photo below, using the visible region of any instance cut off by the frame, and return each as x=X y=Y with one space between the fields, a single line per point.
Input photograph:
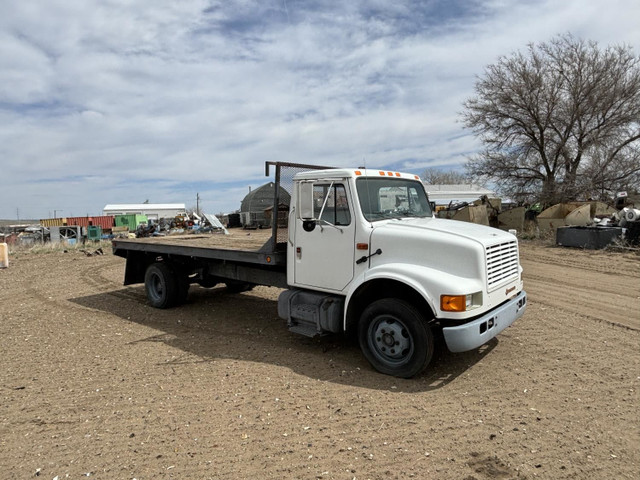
x=257 y=202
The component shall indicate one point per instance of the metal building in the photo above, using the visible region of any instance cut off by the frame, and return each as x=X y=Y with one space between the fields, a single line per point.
x=446 y=194
x=257 y=202
x=153 y=211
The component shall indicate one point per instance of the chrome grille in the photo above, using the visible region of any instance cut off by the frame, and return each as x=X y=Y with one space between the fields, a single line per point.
x=502 y=263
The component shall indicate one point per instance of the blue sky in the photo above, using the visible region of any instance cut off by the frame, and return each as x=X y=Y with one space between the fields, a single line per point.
x=116 y=101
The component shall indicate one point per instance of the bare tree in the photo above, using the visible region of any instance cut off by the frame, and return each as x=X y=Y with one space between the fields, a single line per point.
x=559 y=122
x=437 y=176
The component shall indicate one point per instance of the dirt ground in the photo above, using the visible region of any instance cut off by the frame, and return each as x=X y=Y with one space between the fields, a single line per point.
x=95 y=383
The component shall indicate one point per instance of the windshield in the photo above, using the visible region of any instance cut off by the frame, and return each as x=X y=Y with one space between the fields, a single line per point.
x=384 y=198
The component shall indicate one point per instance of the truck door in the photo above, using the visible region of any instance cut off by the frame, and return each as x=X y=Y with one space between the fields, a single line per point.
x=324 y=257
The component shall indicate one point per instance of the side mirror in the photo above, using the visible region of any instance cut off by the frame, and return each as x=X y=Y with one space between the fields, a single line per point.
x=305 y=201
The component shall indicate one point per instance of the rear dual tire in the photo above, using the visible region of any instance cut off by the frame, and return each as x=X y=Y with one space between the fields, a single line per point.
x=165 y=288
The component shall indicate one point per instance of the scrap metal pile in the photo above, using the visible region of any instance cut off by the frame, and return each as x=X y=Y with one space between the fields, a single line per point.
x=591 y=227
x=76 y=230
x=590 y=224
x=181 y=224
x=486 y=211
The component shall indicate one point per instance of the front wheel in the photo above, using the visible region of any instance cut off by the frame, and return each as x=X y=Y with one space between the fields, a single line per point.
x=395 y=338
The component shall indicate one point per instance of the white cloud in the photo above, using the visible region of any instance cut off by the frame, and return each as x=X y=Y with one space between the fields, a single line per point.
x=116 y=101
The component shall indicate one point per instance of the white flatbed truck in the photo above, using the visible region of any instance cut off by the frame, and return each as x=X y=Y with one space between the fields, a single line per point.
x=361 y=253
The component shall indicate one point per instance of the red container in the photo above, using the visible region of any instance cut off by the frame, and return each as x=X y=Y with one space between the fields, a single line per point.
x=79 y=221
x=104 y=221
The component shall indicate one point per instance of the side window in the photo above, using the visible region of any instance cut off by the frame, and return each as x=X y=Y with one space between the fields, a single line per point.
x=336 y=209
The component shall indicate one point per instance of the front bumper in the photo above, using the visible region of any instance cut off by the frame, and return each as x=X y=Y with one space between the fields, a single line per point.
x=477 y=332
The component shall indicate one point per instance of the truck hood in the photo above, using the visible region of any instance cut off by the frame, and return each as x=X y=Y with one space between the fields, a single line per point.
x=431 y=226
x=451 y=246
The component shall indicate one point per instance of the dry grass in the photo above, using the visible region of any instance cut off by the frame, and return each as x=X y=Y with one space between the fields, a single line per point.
x=45 y=248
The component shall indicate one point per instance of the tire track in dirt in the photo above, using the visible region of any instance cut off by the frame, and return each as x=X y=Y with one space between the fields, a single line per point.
x=627 y=264
x=104 y=283
x=85 y=277
x=591 y=285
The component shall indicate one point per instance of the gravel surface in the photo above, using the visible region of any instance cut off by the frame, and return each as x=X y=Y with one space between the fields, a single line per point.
x=95 y=383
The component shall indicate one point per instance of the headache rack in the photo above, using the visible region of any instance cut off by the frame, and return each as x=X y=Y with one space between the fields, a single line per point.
x=283 y=191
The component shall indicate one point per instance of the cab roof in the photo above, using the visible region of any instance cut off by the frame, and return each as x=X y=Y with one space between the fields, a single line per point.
x=353 y=173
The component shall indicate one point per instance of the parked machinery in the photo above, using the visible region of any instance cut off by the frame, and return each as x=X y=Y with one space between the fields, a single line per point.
x=629 y=216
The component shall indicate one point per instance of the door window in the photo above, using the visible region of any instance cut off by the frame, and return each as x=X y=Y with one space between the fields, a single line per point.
x=331 y=204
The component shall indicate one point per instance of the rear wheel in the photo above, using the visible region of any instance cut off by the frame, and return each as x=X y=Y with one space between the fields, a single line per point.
x=395 y=338
x=162 y=286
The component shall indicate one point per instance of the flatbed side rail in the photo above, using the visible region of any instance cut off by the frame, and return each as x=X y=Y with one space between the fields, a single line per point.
x=120 y=247
x=245 y=266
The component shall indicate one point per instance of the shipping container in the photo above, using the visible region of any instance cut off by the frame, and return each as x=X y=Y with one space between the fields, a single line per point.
x=131 y=221
x=78 y=221
x=104 y=221
x=53 y=222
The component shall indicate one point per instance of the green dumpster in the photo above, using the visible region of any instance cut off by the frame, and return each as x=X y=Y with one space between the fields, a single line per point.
x=94 y=233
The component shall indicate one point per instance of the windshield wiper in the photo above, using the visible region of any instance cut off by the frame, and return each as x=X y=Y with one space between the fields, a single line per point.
x=384 y=214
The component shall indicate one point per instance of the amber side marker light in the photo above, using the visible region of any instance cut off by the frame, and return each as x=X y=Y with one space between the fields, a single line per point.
x=453 y=303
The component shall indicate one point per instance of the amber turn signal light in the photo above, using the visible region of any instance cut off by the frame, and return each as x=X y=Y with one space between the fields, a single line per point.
x=453 y=303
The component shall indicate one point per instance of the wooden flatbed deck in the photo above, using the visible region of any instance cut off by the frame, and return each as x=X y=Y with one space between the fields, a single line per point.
x=238 y=239
x=244 y=246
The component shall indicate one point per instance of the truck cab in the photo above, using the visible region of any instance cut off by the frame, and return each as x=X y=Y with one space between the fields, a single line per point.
x=365 y=254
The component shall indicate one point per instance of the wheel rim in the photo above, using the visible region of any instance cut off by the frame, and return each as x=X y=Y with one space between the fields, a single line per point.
x=156 y=288
x=68 y=233
x=390 y=340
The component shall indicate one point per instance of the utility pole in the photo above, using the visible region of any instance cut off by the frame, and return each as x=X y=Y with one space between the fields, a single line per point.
x=198 y=204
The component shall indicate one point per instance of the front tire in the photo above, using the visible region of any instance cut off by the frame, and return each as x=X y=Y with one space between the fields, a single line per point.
x=395 y=338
